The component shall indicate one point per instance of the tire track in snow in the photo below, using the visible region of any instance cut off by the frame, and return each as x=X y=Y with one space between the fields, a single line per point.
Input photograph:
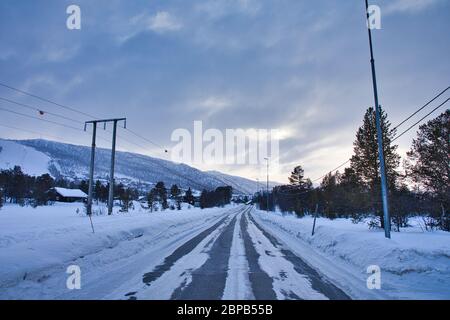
x=318 y=282
x=238 y=285
x=286 y=282
x=261 y=282
x=208 y=282
x=211 y=279
x=180 y=259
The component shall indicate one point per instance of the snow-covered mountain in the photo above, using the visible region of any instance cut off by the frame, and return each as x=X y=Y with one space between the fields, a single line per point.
x=71 y=161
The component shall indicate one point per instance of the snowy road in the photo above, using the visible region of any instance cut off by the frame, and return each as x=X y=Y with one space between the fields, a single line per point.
x=236 y=252
x=219 y=253
x=234 y=259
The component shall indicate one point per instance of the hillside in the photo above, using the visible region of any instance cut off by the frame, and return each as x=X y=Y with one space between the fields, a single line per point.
x=72 y=162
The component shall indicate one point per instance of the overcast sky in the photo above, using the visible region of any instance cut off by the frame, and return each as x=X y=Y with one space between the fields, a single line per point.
x=298 y=66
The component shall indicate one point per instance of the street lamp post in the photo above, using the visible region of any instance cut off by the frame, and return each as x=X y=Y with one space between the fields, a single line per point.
x=267 y=187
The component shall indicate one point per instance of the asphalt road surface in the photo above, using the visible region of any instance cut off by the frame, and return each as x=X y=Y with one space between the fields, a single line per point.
x=235 y=258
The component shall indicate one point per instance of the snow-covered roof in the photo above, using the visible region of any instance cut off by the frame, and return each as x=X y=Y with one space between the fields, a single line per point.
x=196 y=193
x=71 y=193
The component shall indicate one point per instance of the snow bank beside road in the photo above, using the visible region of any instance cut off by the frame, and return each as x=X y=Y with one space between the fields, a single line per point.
x=414 y=264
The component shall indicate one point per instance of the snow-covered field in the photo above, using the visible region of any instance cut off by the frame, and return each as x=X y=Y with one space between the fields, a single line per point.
x=414 y=264
x=37 y=245
x=176 y=250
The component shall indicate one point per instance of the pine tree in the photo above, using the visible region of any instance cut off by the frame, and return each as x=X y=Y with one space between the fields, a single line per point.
x=126 y=199
x=42 y=185
x=295 y=197
x=365 y=161
x=297 y=176
x=1 y=197
x=354 y=194
x=222 y=196
x=97 y=190
x=84 y=186
x=330 y=196
x=161 y=193
x=429 y=159
x=104 y=193
x=175 y=193
x=5 y=183
x=297 y=179
x=151 y=199
x=18 y=186
x=402 y=204
x=189 y=197
x=204 y=199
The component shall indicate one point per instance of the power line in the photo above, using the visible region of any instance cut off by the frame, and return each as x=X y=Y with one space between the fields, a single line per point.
x=57 y=123
x=439 y=106
x=51 y=136
x=46 y=100
x=335 y=169
x=65 y=118
x=421 y=108
x=59 y=138
x=39 y=110
x=74 y=110
x=195 y=183
x=169 y=170
x=397 y=136
x=146 y=139
x=401 y=123
x=134 y=143
x=33 y=117
x=45 y=120
x=158 y=145
x=78 y=129
x=295 y=194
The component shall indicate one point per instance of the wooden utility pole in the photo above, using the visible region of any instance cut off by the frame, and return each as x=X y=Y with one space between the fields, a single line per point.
x=315 y=218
